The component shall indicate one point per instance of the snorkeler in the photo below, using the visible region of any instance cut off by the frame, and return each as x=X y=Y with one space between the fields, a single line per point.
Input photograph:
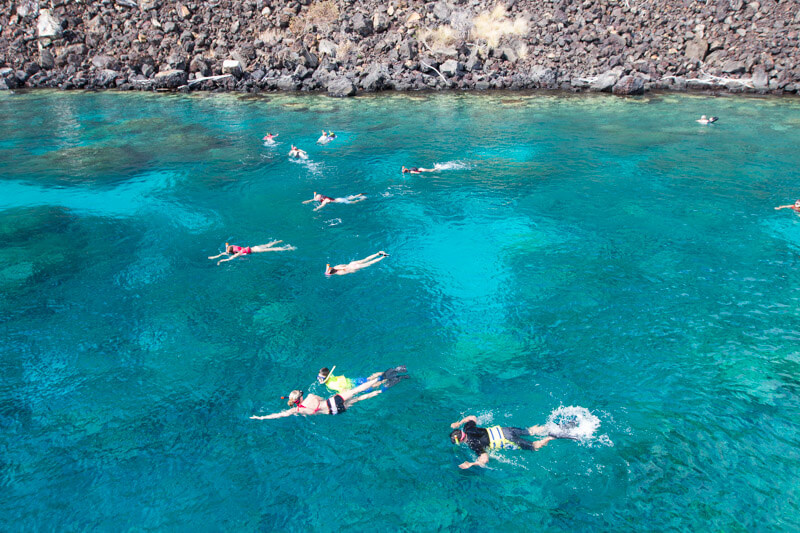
x=238 y=251
x=341 y=383
x=707 y=120
x=297 y=153
x=316 y=405
x=325 y=138
x=496 y=437
x=269 y=138
x=352 y=266
x=795 y=207
x=325 y=200
x=417 y=170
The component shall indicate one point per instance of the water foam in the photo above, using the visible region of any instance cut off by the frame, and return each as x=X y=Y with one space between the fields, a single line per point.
x=586 y=424
x=451 y=165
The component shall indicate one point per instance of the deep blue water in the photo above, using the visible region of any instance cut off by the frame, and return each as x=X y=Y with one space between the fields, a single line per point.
x=573 y=251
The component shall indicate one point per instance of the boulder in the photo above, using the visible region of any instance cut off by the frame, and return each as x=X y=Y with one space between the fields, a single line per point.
x=288 y=83
x=146 y=5
x=199 y=65
x=442 y=11
x=696 y=49
x=473 y=63
x=733 y=67
x=605 y=81
x=106 y=77
x=451 y=67
x=362 y=25
x=327 y=48
x=629 y=85
x=46 y=59
x=341 y=86
x=170 y=79
x=380 y=23
x=48 y=25
x=376 y=78
x=102 y=62
x=543 y=77
x=408 y=49
x=231 y=66
x=760 y=79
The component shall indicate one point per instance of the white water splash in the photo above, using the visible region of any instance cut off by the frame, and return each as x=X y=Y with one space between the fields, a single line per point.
x=451 y=165
x=584 y=424
x=333 y=222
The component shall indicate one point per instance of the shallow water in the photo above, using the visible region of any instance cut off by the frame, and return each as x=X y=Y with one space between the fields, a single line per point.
x=597 y=252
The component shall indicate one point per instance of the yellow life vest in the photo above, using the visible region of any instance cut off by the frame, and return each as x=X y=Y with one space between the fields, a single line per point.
x=498 y=441
x=338 y=383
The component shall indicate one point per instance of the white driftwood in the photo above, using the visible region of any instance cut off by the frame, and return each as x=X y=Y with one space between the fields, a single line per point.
x=447 y=83
x=710 y=79
x=208 y=78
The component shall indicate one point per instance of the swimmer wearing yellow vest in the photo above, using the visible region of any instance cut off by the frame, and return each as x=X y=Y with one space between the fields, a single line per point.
x=496 y=438
x=341 y=383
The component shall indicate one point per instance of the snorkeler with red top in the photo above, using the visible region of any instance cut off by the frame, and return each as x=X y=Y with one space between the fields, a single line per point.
x=325 y=200
x=237 y=251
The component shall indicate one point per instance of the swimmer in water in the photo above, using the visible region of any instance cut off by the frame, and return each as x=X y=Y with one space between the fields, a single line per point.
x=325 y=200
x=316 y=405
x=417 y=170
x=270 y=138
x=352 y=266
x=325 y=138
x=496 y=437
x=795 y=207
x=238 y=251
x=341 y=383
x=297 y=153
x=707 y=120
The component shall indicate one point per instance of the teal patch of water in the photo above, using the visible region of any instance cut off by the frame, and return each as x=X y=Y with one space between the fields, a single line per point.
x=591 y=251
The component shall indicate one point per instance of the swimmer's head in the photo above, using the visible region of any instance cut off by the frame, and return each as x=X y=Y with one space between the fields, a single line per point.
x=797 y=203
x=295 y=397
x=323 y=374
x=329 y=270
x=456 y=437
x=228 y=248
x=403 y=170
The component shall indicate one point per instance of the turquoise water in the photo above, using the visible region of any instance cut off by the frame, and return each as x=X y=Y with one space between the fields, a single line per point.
x=573 y=251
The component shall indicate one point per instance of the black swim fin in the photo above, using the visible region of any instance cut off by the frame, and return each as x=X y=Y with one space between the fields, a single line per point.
x=392 y=381
x=394 y=372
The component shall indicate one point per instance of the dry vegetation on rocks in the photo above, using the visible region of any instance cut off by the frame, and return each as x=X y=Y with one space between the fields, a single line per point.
x=344 y=46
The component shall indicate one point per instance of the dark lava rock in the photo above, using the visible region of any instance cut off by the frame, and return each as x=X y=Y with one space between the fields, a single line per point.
x=171 y=79
x=341 y=87
x=629 y=85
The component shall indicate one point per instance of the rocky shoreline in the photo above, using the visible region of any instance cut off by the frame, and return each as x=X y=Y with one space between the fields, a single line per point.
x=345 y=47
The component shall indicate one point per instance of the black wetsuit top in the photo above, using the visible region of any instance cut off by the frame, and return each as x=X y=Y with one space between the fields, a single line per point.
x=477 y=438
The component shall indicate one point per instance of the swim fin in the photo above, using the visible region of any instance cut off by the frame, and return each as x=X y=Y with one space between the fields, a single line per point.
x=392 y=381
x=394 y=372
x=563 y=430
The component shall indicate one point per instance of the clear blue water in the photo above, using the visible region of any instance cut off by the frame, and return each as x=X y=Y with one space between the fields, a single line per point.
x=577 y=251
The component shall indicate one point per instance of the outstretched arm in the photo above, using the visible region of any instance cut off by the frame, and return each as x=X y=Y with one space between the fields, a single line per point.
x=482 y=460
x=234 y=256
x=288 y=412
x=539 y=443
x=464 y=420
x=322 y=204
x=784 y=206
x=308 y=201
x=226 y=253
